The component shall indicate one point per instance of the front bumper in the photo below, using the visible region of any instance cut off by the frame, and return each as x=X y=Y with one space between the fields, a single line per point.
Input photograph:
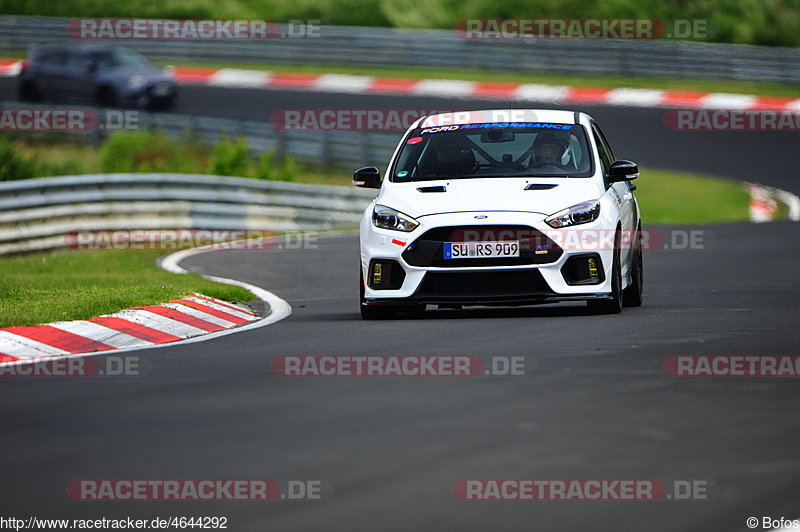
x=153 y=94
x=549 y=269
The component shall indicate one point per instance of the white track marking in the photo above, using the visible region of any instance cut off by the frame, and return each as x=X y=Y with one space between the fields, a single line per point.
x=160 y=323
x=100 y=333
x=234 y=77
x=793 y=106
x=763 y=203
x=541 y=93
x=719 y=100
x=211 y=304
x=199 y=314
x=225 y=304
x=11 y=70
x=444 y=88
x=635 y=97
x=25 y=348
x=343 y=83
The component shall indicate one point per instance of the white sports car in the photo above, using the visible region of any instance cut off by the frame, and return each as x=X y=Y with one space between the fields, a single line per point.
x=501 y=207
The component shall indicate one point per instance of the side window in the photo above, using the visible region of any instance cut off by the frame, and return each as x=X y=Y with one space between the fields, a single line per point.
x=51 y=58
x=602 y=150
x=77 y=60
x=605 y=142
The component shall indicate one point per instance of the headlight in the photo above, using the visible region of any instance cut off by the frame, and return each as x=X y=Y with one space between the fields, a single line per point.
x=387 y=218
x=136 y=82
x=582 y=213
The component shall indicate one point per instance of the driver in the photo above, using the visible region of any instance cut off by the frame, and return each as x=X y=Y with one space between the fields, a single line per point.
x=454 y=156
x=548 y=148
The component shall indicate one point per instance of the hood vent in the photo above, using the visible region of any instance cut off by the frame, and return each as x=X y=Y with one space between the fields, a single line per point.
x=432 y=189
x=540 y=186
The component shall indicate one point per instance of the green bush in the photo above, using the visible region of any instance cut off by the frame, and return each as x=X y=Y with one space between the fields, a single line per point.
x=13 y=165
x=268 y=167
x=289 y=169
x=67 y=167
x=230 y=158
x=148 y=151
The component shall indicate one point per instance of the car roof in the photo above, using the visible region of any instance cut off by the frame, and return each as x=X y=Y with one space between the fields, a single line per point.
x=83 y=47
x=502 y=115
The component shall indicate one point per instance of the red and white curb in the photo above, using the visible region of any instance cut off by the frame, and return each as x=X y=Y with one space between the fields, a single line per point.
x=189 y=319
x=764 y=203
x=231 y=77
x=9 y=67
x=624 y=97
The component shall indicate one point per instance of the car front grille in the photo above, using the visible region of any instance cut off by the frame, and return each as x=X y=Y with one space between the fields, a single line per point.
x=507 y=284
x=535 y=247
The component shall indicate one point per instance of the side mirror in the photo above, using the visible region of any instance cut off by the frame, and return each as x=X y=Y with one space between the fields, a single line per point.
x=623 y=171
x=367 y=177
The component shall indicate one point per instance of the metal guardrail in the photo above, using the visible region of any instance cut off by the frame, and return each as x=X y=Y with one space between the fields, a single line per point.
x=39 y=214
x=364 y=46
x=345 y=150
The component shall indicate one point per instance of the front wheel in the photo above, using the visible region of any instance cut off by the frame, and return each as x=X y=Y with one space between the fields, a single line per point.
x=27 y=92
x=632 y=295
x=613 y=305
x=106 y=97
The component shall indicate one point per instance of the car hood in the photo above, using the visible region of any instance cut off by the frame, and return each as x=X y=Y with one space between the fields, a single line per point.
x=422 y=198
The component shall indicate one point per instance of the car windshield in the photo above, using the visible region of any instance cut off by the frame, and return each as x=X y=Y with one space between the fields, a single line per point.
x=119 y=57
x=517 y=149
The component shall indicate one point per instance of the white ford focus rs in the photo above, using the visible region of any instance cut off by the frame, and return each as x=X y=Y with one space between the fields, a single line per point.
x=480 y=210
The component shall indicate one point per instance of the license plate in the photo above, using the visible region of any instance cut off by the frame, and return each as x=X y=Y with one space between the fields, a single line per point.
x=481 y=250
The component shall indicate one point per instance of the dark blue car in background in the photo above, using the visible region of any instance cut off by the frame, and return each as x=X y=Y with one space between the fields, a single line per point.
x=109 y=75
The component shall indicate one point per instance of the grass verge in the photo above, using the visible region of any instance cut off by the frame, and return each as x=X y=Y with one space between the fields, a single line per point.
x=669 y=197
x=79 y=285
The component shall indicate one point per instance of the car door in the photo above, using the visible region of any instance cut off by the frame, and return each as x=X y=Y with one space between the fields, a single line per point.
x=622 y=193
x=77 y=79
x=46 y=70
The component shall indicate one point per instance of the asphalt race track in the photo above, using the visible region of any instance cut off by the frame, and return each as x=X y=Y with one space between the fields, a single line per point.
x=595 y=402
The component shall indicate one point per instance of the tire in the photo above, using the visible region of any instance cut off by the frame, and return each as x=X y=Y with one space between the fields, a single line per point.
x=106 y=97
x=382 y=312
x=613 y=305
x=27 y=92
x=632 y=295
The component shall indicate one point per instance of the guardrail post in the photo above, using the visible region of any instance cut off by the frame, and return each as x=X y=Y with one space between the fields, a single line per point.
x=325 y=149
x=280 y=146
x=365 y=145
x=95 y=137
